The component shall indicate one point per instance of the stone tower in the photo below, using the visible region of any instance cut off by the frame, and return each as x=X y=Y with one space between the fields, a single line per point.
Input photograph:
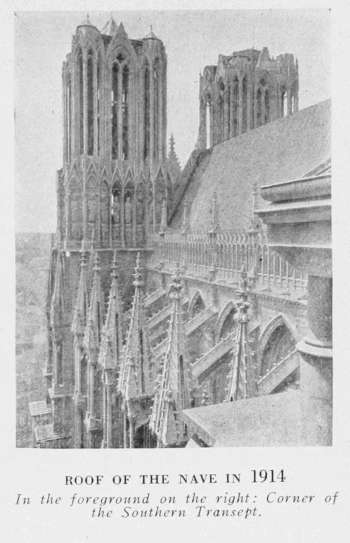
x=245 y=90
x=114 y=179
x=113 y=193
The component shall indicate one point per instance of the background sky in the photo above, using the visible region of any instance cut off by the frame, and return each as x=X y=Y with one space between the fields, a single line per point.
x=192 y=40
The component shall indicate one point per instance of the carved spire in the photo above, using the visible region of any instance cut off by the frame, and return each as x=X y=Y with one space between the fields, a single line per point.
x=93 y=328
x=151 y=35
x=134 y=377
x=87 y=21
x=112 y=338
x=238 y=388
x=171 y=144
x=110 y=27
x=121 y=32
x=172 y=393
x=173 y=162
x=81 y=305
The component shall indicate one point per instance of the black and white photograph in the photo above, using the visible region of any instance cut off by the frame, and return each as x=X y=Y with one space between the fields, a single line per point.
x=173 y=229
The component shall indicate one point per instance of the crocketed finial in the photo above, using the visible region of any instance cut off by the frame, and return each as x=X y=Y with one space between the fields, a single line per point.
x=138 y=282
x=114 y=265
x=97 y=267
x=176 y=283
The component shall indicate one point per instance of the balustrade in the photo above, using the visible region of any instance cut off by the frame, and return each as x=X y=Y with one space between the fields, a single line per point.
x=225 y=254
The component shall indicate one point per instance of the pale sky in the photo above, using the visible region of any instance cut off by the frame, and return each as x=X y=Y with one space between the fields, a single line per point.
x=192 y=40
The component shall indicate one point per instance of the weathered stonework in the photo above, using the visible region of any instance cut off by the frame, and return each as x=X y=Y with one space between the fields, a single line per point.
x=116 y=331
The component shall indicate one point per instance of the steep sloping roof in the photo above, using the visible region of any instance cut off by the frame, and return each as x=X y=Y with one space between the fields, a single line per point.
x=284 y=149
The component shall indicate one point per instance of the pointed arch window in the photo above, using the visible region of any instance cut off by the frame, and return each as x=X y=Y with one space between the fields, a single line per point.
x=221 y=111
x=259 y=108
x=125 y=112
x=284 y=110
x=244 y=104
x=115 y=95
x=69 y=118
x=235 y=107
x=156 y=90
x=90 y=103
x=81 y=101
x=98 y=103
x=208 y=122
x=147 y=113
x=267 y=106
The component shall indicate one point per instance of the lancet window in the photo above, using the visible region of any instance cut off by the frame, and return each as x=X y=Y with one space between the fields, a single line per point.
x=284 y=103
x=120 y=108
x=235 y=94
x=81 y=102
x=156 y=91
x=115 y=94
x=208 y=122
x=116 y=211
x=69 y=118
x=221 y=111
x=125 y=112
x=262 y=104
x=267 y=106
x=90 y=103
x=99 y=104
x=244 y=104
x=259 y=108
x=105 y=211
x=147 y=113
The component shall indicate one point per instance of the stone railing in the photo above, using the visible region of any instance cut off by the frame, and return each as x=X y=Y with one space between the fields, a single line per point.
x=221 y=256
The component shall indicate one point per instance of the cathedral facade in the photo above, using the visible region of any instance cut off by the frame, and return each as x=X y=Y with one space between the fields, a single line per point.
x=164 y=295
